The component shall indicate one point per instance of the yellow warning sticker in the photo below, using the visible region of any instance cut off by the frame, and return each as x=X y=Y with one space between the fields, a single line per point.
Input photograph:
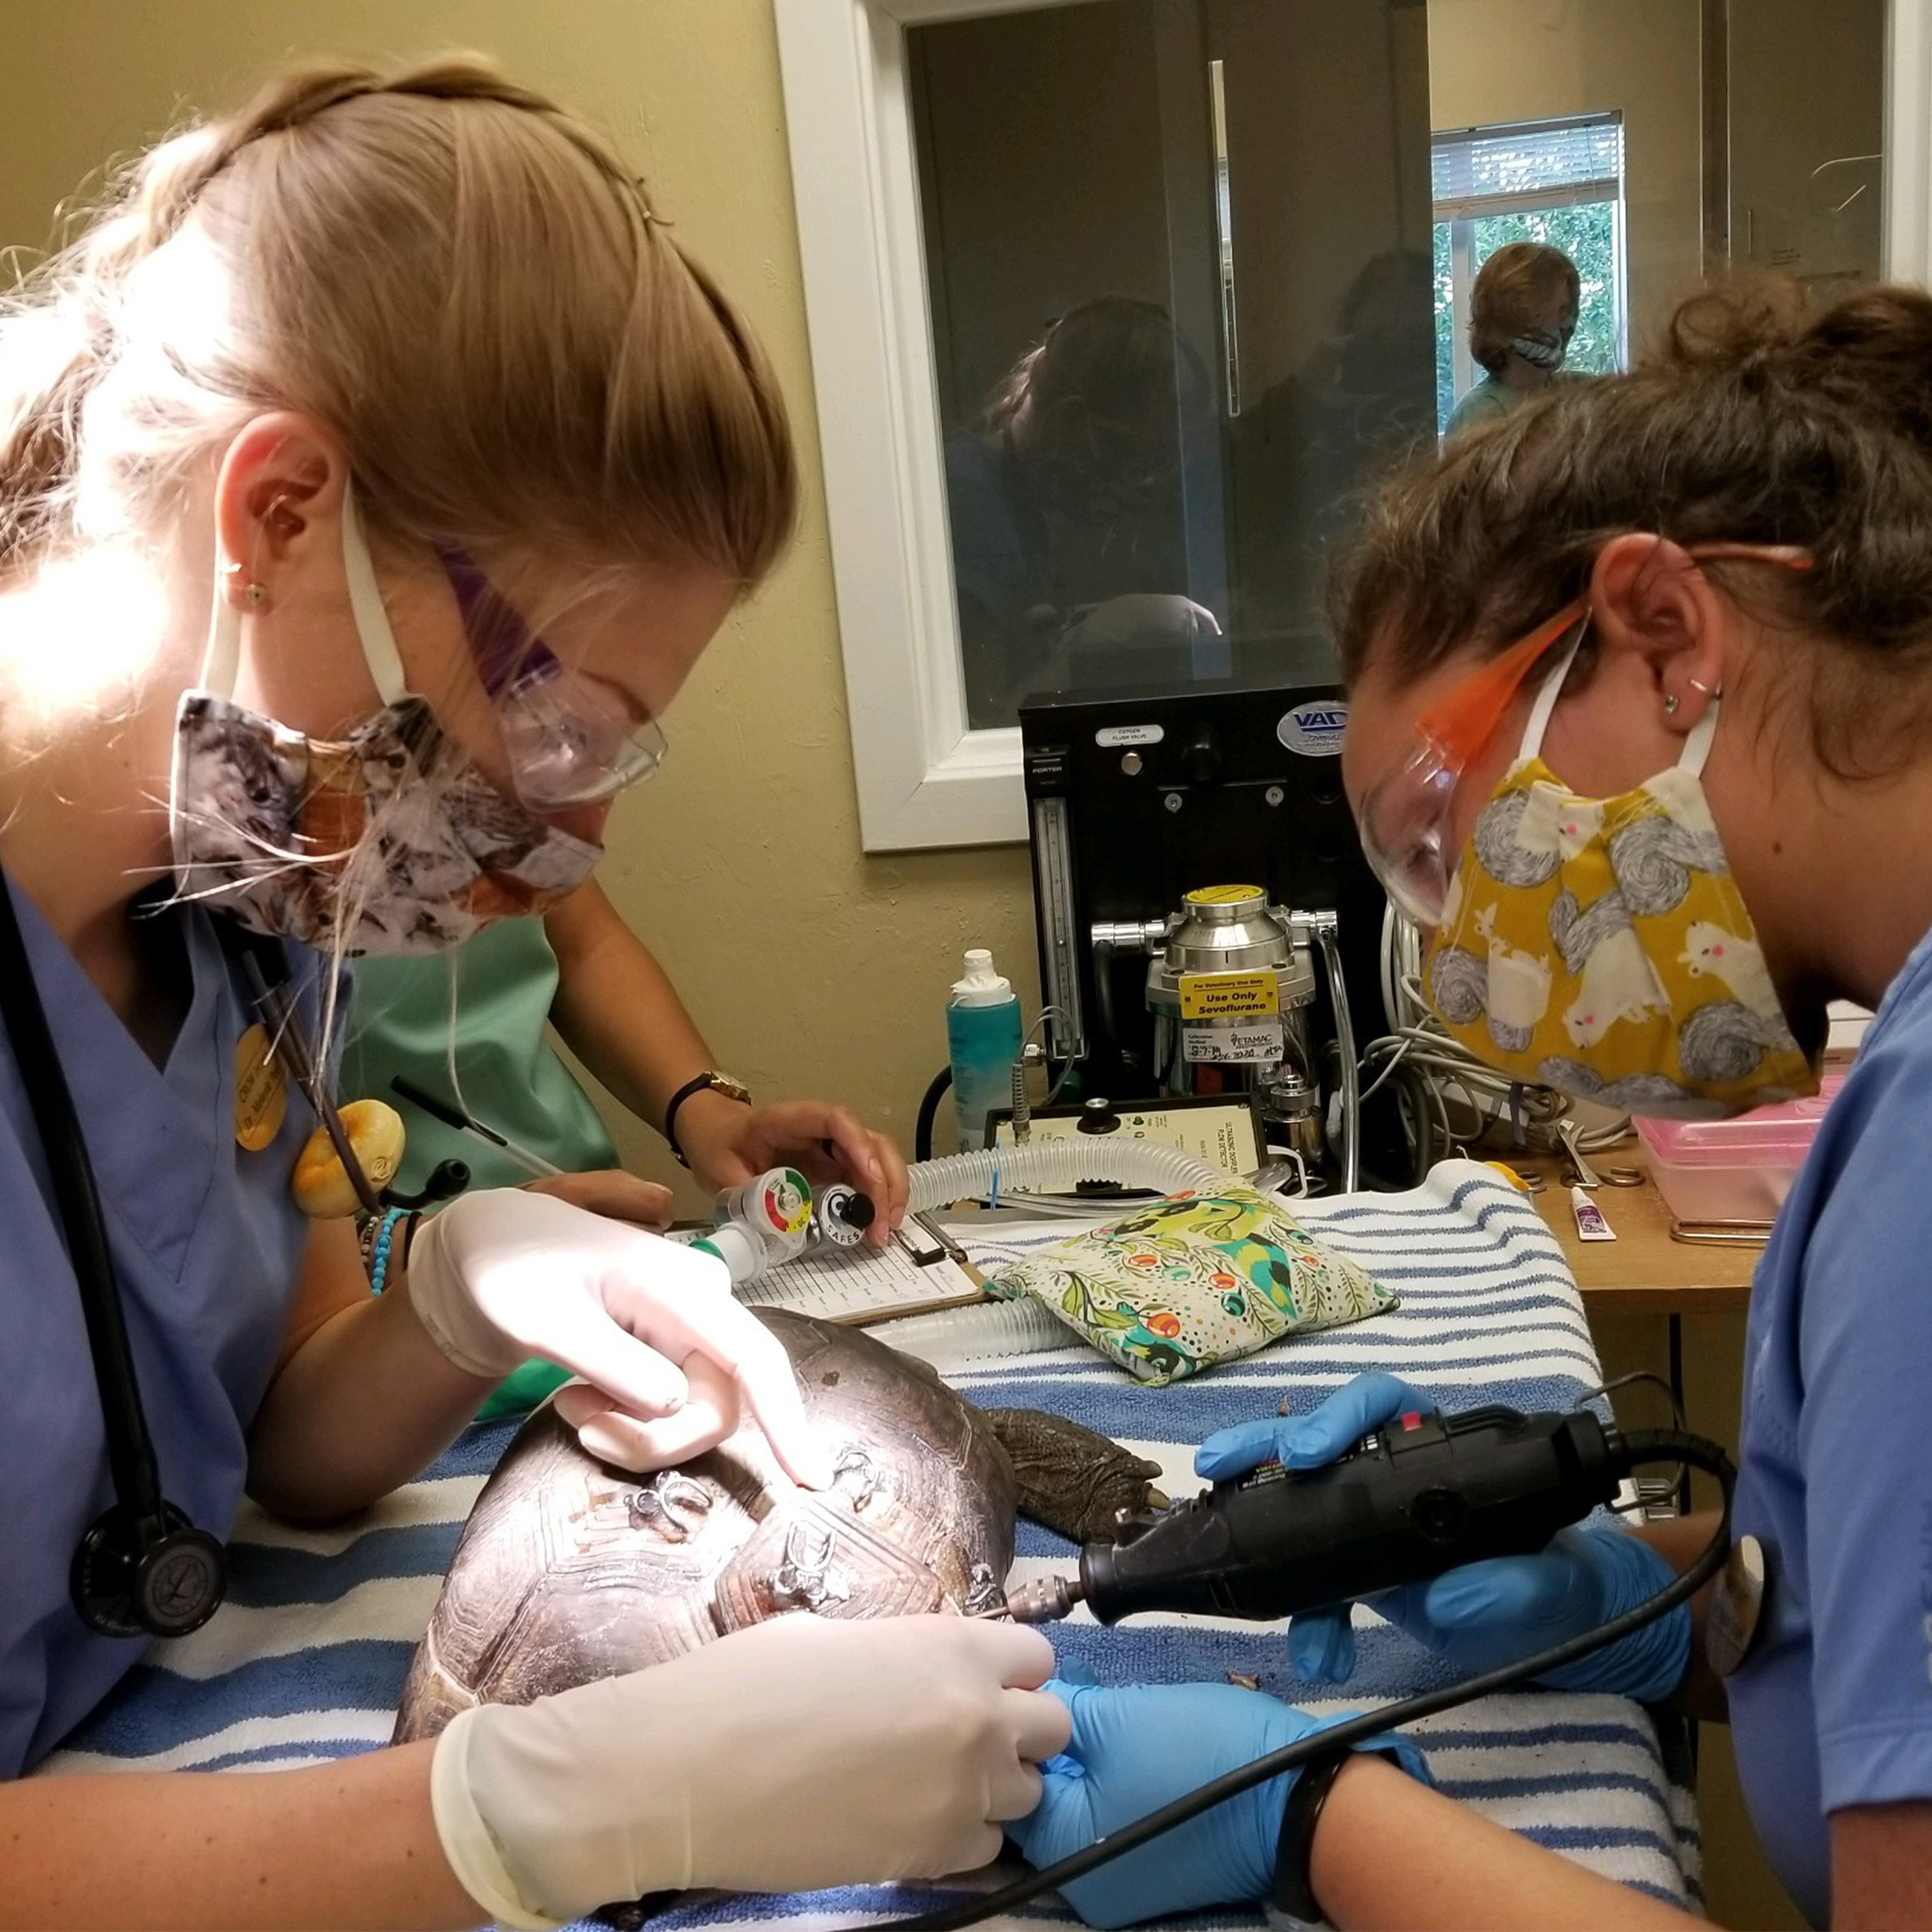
x=1223 y=895
x=1227 y=996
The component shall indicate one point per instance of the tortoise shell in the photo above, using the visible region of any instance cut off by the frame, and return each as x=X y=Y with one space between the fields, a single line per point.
x=568 y=1569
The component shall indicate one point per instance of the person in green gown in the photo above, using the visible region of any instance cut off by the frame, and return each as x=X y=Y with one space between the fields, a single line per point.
x=488 y=1011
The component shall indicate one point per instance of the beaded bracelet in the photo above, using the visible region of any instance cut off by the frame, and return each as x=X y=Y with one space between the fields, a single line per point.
x=379 y=1253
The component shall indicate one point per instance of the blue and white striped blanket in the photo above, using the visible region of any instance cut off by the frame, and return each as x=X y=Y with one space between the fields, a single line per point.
x=306 y=1659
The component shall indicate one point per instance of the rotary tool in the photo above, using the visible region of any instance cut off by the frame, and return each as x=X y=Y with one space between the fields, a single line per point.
x=1418 y=1496
x=1422 y=1495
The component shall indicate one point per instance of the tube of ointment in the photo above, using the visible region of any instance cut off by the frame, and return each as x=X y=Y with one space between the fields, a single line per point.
x=452 y=1116
x=1590 y=1225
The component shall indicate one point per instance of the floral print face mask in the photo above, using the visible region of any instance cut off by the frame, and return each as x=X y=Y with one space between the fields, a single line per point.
x=392 y=840
x=1601 y=946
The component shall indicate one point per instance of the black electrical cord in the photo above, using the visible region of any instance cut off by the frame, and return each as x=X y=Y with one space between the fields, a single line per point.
x=928 y=1112
x=1637 y=1446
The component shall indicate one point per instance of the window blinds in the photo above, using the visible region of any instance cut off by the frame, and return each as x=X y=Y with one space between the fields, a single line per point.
x=1531 y=164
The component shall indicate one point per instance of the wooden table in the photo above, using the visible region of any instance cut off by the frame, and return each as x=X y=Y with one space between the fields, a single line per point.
x=1643 y=1271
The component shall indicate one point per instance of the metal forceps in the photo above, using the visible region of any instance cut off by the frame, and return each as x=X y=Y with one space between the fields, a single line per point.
x=1582 y=1174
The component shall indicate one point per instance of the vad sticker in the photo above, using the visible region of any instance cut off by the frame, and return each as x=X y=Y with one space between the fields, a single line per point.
x=1314 y=730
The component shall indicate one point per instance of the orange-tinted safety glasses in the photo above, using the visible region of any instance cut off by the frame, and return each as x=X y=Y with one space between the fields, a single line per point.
x=1406 y=818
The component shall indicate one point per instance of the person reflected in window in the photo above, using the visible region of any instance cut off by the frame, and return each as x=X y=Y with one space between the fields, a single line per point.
x=1522 y=313
x=1066 y=504
x=1301 y=450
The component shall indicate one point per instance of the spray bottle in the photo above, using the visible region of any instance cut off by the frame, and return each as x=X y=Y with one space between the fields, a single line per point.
x=983 y=1040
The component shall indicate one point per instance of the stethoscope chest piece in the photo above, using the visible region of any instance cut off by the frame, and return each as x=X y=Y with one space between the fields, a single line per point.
x=137 y=1576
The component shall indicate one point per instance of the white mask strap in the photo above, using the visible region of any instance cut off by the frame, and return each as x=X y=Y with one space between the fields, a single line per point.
x=1552 y=689
x=1697 y=742
x=365 y=599
x=222 y=659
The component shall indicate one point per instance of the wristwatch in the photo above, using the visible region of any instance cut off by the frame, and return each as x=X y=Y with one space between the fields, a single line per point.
x=718 y=1083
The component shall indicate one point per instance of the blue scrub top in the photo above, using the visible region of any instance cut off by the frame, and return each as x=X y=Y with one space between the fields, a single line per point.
x=206 y=1243
x=1834 y=1708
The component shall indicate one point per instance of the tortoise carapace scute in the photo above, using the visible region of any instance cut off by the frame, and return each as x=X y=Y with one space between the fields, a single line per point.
x=568 y=1569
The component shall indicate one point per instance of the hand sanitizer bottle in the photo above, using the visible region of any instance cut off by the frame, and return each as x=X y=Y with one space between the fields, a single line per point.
x=982 y=1039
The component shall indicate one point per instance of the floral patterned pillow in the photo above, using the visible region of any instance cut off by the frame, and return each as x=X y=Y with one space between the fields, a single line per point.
x=1187 y=1282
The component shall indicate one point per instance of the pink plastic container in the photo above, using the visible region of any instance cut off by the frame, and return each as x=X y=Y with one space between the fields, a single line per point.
x=1736 y=1170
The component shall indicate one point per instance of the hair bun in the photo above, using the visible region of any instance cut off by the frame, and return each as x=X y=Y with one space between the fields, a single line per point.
x=1871 y=353
x=1744 y=327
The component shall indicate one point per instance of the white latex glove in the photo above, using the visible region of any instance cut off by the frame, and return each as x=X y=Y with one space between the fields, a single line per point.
x=801 y=1753
x=504 y=1274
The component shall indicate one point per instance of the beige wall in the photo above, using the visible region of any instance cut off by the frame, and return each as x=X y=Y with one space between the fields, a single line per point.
x=810 y=968
x=1530 y=60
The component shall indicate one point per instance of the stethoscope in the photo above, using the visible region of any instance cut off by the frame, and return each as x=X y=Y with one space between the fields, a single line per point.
x=142 y=1568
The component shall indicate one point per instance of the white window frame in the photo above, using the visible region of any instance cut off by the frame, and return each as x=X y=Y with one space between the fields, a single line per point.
x=924 y=778
x=1467 y=212
x=1907 y=170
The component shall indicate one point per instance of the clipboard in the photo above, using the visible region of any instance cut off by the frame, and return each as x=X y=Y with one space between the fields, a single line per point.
x=920 y=1274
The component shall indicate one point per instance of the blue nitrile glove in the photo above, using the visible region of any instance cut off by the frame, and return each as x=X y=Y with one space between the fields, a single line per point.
x=1484 y=1614
x=1138 y=1747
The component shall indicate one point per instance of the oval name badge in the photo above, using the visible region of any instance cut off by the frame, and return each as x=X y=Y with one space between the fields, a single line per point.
x=261 y=1091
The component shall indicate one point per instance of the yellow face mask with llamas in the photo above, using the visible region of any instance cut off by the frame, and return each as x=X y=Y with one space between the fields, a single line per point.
x=1600 y=946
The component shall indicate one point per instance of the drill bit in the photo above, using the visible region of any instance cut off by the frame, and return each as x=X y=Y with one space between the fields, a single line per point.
x=1044 y=1601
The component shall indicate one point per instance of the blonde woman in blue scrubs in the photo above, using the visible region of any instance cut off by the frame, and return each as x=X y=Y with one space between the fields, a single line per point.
x=338 y=393
x=1522 y=313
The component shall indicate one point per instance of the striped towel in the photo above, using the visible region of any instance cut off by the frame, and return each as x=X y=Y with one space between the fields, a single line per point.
x=306 y=1659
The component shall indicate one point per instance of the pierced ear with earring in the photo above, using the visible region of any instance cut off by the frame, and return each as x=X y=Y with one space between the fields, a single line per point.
x=1672 y=702
x=252 y=592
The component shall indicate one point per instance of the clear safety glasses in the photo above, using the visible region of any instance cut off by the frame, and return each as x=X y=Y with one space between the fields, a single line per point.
x=570 y=739
x=1407 y=817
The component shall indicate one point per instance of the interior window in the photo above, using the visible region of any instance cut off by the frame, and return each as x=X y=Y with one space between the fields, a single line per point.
x=1180 y=293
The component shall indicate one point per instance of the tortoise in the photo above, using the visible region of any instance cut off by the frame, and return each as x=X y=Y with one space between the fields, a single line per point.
x=567 y=1570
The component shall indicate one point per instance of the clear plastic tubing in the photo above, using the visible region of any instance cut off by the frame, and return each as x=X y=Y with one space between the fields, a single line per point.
x=1061 y=1165
x=954 y=1339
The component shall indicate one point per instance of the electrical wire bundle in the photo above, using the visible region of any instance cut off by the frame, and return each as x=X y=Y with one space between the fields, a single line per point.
x=1448 y=1099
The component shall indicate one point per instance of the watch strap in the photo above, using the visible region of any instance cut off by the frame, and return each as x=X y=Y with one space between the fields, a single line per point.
x=1292 y=1901
x=709 y=1077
